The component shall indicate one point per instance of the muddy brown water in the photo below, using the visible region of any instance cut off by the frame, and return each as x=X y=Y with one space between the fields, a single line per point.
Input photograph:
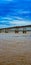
x=15 y=49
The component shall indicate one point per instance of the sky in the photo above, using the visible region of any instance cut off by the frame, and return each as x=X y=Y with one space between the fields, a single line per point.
x=15 y=13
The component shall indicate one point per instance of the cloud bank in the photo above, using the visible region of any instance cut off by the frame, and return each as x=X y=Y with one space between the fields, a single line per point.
x=15 y=13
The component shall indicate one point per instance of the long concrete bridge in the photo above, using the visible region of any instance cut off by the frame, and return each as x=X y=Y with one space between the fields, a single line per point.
x=16 y=29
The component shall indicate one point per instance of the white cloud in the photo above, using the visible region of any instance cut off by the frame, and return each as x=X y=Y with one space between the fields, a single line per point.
x=3 y=26
x=6 y=26
x=4 y=19
x=8 y=18
x=9 y=23
x=19 y=18
x=23 y=12
x=16 y=22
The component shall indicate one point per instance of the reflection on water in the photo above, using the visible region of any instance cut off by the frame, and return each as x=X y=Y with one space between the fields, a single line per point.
x=18 y=36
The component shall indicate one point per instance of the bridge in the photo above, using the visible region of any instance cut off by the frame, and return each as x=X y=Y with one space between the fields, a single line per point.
x=16 y=29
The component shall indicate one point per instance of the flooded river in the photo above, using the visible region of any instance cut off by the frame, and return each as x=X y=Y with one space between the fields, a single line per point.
x=15 y=49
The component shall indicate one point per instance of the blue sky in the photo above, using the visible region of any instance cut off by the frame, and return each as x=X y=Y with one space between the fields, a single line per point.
x=15 y=13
